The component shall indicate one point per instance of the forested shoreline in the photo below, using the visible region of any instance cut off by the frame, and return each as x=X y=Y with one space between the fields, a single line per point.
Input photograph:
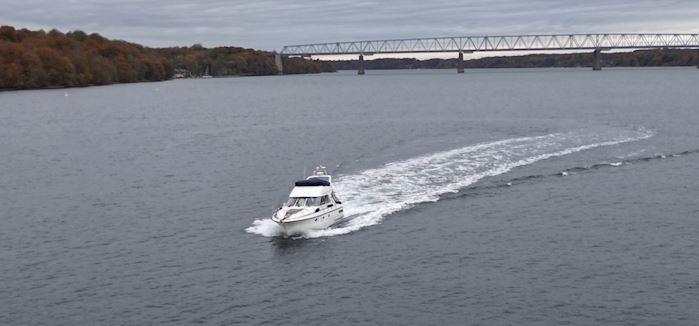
x=39 y=59
x=639 y=58
x=235 y=61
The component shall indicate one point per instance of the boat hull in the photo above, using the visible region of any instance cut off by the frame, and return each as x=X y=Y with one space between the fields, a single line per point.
x=314 y=222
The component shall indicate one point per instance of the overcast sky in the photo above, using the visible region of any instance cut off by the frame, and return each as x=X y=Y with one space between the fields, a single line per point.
x=270 y=24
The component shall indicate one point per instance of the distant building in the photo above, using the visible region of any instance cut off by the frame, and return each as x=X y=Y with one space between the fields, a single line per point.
x=182 y=73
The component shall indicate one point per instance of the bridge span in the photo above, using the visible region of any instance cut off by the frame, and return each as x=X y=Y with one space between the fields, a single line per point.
x=504 y=43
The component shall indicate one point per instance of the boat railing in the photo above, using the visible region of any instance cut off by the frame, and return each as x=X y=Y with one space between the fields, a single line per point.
x=321 y=172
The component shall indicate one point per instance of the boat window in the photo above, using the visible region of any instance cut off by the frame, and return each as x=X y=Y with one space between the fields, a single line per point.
x=313 y=201
x=303 y=201
x=293 y=202
x=325 y=200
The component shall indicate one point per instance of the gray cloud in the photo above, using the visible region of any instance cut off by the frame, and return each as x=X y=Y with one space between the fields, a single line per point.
x=270 y=24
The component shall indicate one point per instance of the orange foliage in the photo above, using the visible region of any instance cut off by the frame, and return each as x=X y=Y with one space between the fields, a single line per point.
x=35 y=59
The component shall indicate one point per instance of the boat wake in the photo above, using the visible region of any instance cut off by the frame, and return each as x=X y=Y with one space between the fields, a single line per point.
x=370 y=195
x=629 y=159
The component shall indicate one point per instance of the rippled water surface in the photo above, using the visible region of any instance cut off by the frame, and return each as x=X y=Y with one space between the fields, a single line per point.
x=494 y=197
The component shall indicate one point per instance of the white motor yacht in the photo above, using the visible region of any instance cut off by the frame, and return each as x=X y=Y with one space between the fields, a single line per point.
x=312 y=205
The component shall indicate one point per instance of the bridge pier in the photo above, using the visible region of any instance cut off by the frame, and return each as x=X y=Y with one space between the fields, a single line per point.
x=360 y=65
x=278 y=63
x=596 y=63
x=460 y=63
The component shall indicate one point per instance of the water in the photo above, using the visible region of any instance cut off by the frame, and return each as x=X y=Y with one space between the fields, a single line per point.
x=496 y=197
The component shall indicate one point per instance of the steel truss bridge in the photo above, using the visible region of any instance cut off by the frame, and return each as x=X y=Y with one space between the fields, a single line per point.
x=470 y=44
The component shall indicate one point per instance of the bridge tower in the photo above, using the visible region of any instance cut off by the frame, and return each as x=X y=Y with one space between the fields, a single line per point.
x=596 y=63
x=278 y=63
x=460 y=63
x=360 y=65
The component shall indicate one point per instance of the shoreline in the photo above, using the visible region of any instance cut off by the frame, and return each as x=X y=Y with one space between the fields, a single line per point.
x=3 y=90
x=148 y=81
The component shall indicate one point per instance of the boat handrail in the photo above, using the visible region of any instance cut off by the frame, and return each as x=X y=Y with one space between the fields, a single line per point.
x=320 y=172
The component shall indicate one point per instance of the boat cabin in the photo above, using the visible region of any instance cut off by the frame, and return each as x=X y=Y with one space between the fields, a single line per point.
x=313 y=192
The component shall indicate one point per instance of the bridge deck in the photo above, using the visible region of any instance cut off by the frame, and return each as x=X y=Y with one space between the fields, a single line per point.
x=499 y=43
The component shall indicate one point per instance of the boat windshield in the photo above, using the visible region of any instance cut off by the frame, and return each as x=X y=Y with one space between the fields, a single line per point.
x=303 y=201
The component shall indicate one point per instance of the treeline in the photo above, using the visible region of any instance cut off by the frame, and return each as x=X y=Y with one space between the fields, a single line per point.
x=38 y=59
x=235 y=61
x=305 y=66
x=639 y=58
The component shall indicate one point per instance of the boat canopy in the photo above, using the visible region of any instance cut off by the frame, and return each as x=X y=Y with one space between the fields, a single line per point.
x=312 y=182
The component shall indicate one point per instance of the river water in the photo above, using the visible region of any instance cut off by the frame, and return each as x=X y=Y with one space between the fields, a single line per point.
x=494 y=197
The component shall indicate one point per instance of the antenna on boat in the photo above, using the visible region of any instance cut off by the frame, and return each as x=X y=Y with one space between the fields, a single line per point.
x=304 y=170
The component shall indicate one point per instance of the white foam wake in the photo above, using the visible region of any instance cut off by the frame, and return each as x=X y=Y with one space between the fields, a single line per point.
x=370 y=195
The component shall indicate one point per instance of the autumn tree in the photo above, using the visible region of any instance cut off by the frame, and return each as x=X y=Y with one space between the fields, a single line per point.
x=38 y=59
